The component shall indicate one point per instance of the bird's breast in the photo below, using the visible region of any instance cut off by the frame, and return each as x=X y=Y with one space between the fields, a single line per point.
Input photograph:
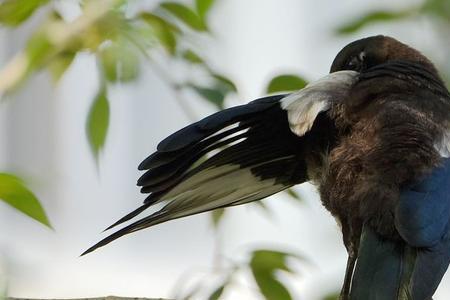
x=370 y=164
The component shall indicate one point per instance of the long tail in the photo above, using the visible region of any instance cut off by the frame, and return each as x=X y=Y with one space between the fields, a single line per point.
x=389 y=269
x=378 y=271
x=151 y=220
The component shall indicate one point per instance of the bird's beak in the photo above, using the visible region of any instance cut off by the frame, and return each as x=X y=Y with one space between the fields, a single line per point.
x=304 y=106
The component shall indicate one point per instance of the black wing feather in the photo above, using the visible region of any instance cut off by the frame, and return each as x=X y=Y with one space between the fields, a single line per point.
x=257 y=156
x=205 y=127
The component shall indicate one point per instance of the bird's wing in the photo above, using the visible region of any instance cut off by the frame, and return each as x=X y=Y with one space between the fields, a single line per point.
x=235 y=156
x=422 y=218
x=388 y=269
x=411 y=268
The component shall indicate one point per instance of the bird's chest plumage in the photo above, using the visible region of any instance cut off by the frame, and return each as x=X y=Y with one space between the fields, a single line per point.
x=367 y=168
x=351 y=190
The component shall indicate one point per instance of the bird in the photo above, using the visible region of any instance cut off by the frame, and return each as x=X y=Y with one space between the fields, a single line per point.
x=363 y=134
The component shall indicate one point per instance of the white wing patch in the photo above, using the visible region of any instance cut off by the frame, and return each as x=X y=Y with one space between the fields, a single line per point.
x=216 y=187
x=304 y=106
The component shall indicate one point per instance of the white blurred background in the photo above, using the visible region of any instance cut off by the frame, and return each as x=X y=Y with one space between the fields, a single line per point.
x=42 y=136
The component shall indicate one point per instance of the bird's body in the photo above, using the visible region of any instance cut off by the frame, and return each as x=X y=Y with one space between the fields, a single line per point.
x=388 y=144
x=377 y=124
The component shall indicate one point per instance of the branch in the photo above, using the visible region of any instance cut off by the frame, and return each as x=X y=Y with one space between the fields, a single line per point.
x=98 y=298
x=57 y=37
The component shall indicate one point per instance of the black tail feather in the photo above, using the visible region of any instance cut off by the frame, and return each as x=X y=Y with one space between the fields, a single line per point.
x=151 y=220
x=129 y=216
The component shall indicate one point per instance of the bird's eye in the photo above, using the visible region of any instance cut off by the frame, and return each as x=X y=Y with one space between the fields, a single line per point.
x=356 y=63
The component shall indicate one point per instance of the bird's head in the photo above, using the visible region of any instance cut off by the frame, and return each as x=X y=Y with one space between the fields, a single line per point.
x=385 y=70
x=363 y=76
x=363 y=54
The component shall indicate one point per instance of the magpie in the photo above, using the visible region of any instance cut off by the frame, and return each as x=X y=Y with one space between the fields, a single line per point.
x=364 y=134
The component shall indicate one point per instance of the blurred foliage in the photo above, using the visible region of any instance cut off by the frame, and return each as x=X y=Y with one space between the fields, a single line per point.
x=119 y=42
x=187 y=15
x=435 y=11
x=217 y=293
x=216 y=216
x=286 y=83
x=375 y=17
x=294 y=195
x=14 y=12
x=15 y=193
x=263 y=266
x=98 y=122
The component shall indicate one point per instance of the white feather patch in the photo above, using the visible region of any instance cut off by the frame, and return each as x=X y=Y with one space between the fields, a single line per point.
x=443 y=146
x=215 y=187
x=304 y=106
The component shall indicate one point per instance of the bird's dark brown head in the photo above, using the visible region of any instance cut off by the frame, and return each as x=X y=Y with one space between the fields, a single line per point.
x=387 y=70
x=365 y=53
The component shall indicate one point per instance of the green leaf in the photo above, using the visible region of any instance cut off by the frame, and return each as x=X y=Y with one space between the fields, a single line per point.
x=264 y=264
x=192 y=57
x=98 y=122
x=217 y=93
x=225 y=83
x=293 y=194
x=270 y=287
x=214 y=95
x=120 y=62
x=59 y=65
x=164 y=31
x=440 y=8
x=374 y=17
x=286 y=83
x=14 y=12
x=203 y=7
x=217 y=293
x=184 y=14
x=167 y=39
x=38 y=49
x=269 y=260
x=15 y=193
x=216 y=216
x=155 y=20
